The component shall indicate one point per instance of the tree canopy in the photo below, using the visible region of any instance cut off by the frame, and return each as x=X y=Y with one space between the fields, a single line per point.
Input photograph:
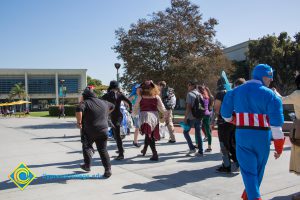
x=282 y=53
x=98 y=85
x=174 y=45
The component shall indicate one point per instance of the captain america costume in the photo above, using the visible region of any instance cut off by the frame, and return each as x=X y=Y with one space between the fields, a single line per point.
x=258 y=114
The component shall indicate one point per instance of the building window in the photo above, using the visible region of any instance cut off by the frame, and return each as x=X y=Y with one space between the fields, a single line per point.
x=71 y=84
x=41 y=85
x=7 y=83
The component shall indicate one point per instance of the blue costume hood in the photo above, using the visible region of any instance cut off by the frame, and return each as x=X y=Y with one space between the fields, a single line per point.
x=262 y=70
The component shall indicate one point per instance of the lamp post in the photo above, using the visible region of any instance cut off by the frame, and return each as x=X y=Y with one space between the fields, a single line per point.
x=117 y=66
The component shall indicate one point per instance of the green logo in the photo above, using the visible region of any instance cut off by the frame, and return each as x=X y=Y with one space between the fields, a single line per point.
x=22 y=176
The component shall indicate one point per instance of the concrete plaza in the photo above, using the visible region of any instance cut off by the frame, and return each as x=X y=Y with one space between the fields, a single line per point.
x=52 y=146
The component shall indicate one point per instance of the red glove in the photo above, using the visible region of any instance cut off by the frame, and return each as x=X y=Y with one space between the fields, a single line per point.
x=278 y=143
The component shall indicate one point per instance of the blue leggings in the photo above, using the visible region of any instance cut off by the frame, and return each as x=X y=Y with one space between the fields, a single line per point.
x=252 y=150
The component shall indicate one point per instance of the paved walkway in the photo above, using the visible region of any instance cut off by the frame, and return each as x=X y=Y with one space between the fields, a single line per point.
x=52 y=146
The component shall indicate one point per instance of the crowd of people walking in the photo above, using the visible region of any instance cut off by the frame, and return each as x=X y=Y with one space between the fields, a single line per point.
x=247 y=118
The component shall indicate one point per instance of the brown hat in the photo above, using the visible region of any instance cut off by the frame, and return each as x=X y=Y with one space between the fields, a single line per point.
x=147 y=84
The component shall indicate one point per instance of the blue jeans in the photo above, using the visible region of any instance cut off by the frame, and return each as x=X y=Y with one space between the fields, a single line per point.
x=196 y=123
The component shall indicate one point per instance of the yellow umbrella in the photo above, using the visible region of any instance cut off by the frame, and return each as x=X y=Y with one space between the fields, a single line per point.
x=7 y=104
x=20 y=102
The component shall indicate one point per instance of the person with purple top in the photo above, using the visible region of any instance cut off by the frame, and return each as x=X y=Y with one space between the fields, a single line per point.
x=208 y=105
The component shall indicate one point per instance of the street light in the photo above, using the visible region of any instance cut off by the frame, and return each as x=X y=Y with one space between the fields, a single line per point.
x=117 y=66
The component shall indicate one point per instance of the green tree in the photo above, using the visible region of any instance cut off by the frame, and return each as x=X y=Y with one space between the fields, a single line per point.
x=18 y=91
x=174 y=45
x=240 y=70
x=282 y=53
x=99 y=88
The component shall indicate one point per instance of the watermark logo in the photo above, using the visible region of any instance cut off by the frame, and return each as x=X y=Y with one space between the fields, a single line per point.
x=22 y=176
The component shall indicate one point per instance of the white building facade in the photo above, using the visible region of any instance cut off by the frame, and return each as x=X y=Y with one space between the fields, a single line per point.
x=45 y=86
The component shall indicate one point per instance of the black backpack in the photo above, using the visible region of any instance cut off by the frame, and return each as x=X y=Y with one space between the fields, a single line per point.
x=169 y=98
x=198 y=108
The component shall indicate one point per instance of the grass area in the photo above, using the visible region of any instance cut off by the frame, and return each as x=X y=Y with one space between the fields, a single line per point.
x=178 y=116
x=44 y=114
x=39 y=114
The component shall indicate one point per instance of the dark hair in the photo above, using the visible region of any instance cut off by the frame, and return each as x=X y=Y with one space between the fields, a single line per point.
x=201 y=88
x=162 y=83
x=221 y=84
x=88 y=92
x=193 y=82
x=239 y=81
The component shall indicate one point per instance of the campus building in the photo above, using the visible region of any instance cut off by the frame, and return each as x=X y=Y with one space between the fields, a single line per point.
x=44 y=86
x=237 y=52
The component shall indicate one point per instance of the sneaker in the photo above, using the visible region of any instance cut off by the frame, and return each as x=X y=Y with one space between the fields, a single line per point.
x=208 y=150
x=235 y=167
x=191 y=152
x=198 y=154
x=171 y=141
x=85 y=167
x=223 y=169
x=107 y=174
x=205 y=139
x=119 y=157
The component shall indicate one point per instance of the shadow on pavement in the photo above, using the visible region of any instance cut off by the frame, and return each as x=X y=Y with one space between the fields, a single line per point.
x=56 y=137
x=68 y=125
x=178 y=179
x=289 y=197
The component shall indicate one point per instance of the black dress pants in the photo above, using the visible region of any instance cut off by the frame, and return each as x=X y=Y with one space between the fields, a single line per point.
x=117 y=136
x=87 y=148
x=226 y=134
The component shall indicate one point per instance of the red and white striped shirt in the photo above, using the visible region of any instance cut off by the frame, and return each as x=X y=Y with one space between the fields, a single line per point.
x=252 y=120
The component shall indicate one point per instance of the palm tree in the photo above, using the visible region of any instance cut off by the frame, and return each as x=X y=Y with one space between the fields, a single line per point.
x=18 y=91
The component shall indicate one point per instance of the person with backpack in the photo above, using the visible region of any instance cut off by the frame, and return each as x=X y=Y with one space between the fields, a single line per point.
x=169 y=100
x=193 y=118
x=115 y=97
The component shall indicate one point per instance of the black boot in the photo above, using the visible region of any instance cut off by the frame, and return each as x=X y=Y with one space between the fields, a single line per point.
x=107 y=173
x=120 y=157
x=144 y=151
x=154 y=157
x=85 y=167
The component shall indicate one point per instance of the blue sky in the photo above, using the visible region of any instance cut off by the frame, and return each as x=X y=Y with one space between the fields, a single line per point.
x=80 y=33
